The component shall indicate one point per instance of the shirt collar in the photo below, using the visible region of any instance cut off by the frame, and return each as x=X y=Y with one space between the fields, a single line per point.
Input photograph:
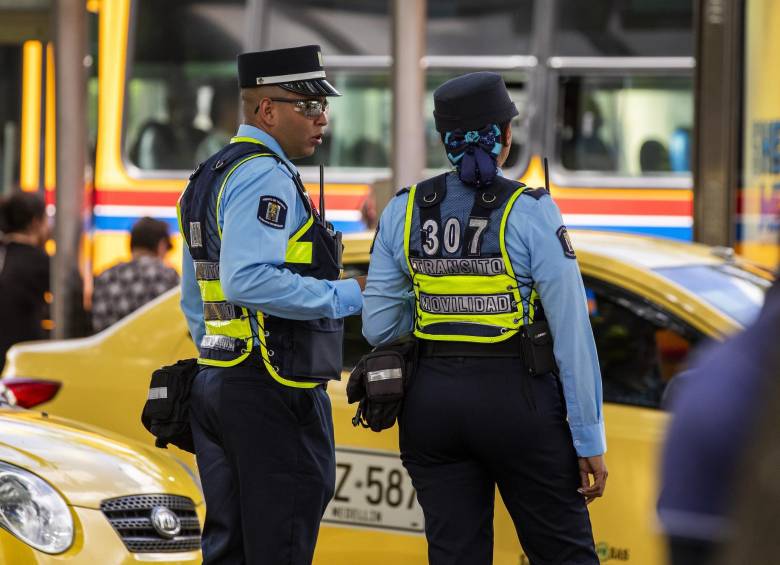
x=246 y=130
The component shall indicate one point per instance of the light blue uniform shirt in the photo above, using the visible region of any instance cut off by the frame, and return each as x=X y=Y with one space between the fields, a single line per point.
x=536 y=253
x=252 y=254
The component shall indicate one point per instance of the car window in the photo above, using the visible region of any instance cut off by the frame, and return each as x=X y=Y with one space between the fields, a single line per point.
x=737 y=292
x=640 y=346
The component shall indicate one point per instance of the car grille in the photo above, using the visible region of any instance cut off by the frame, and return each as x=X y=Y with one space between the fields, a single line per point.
x=131 y=517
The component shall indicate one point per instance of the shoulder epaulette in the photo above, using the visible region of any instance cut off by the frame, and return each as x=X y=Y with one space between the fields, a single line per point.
x=402 y=191
x=536 y=193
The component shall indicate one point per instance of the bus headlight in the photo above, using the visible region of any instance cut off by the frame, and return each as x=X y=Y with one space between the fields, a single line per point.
x=33 y=511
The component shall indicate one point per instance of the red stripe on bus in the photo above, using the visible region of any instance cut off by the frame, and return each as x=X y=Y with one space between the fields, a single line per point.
x=355 y=201
x=627 y=207
x=106 y=198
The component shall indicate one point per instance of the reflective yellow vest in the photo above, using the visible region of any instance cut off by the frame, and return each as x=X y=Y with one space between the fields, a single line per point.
x=463 y=292
x=229 y=337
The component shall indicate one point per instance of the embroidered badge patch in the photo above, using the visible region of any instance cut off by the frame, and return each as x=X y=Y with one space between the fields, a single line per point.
x=563 y=237
x=272 y=212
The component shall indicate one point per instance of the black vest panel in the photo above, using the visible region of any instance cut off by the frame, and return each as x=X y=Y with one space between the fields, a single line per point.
x=297 y=350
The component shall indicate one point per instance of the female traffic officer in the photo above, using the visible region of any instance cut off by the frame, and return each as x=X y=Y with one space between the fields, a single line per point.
x=465 y=261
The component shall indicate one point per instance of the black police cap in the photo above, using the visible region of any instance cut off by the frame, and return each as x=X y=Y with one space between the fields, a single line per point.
x=471 y=101
x=297 y=69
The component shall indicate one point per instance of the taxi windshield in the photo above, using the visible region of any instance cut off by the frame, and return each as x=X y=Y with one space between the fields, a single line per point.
x=735 y=291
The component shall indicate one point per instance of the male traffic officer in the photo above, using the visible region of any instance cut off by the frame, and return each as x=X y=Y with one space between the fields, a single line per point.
x=262 y=300
x=465 y=261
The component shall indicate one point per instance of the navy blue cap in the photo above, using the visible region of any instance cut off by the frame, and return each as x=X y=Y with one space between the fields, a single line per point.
x=472 y=101
x=297 y=69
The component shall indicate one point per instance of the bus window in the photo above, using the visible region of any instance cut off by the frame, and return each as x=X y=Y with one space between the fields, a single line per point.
x=10 y=116
x=626 y=126
x=359 y=130
x=465 y=27
x=624 y=28
x=181 y=81
x=182 y=100
x=358 y=133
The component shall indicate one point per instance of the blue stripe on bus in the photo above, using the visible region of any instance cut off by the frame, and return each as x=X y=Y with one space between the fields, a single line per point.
x=684 y=234
x=123 y=223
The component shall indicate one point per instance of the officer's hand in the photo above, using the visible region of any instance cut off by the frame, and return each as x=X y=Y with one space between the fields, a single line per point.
x=598 y=468
x=361 y=280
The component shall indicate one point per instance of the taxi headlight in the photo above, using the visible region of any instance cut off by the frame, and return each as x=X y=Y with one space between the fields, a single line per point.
x=33 y=511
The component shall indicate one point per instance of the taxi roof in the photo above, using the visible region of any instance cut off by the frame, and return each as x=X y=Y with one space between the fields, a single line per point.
x=645 y=251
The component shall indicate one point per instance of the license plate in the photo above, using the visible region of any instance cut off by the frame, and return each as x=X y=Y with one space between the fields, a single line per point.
x=373 y=490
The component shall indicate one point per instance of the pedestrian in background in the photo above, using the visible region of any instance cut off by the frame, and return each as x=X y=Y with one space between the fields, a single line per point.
x=262 y=298
x=465 y=261
x=710 y=457
x=24 y=270
x=125 y=287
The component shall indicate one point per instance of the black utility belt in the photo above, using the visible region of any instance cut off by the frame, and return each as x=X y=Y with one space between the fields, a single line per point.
x=533 y=343
x=508 y=348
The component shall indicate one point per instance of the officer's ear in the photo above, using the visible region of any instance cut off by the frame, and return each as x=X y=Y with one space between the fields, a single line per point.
x=267 y=113
x=257 y=107
x=506 y=134
x=506 y=141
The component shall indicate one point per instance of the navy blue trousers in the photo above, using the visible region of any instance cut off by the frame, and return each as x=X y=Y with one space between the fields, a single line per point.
x=265 y=454
x=470 y=424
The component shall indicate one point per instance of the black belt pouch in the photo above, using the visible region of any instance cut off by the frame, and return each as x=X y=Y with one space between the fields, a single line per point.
x=166 y=414
x=537 y=345
x=378 y=383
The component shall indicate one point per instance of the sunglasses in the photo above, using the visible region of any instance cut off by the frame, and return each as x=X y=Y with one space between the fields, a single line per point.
x=309 y=108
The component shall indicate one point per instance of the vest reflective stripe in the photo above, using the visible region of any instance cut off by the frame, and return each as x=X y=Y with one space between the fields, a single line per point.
x=268 y=358
x=211 y=291
x=220 y=311
x=300 y=252
x=480 y=293
x=224 y=183
x=206 y=270
x=502 y=242
x=459 y=266
x=472 y=304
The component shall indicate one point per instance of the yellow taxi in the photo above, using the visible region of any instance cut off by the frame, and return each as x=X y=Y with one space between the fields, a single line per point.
x=651 y=302
x=71 y=493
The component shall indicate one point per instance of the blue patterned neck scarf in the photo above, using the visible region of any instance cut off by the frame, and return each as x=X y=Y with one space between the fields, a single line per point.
x=474 y=153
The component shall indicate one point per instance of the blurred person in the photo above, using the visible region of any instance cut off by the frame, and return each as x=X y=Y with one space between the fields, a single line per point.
x=224 y=117
x=127 y=286
x=464 y=262
x=368 y=211
x=716 y=412
x=629 y=358
x=755 y=533
x=585 y=149
x=24 y=270
x=169 y=144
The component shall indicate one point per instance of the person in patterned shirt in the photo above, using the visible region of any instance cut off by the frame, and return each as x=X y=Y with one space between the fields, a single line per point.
x=127 y=286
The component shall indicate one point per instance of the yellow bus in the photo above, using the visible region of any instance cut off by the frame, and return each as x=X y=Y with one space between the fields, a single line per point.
x=759 y=212
x=604 y=90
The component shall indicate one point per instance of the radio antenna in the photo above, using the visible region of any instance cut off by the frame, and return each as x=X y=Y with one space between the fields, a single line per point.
x=322 y=194
x=546 y=176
